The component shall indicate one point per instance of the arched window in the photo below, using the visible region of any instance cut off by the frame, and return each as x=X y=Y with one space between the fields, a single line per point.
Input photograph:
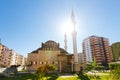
x=46 y=62
x=35 y=62
x=30 y=63
x=40 y=62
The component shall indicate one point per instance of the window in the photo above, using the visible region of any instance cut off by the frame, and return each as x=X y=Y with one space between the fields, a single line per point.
x=40 y=62
x=35 y=62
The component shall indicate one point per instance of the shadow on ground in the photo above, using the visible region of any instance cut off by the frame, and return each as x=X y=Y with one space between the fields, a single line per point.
x=83 y=76
x=52 y=77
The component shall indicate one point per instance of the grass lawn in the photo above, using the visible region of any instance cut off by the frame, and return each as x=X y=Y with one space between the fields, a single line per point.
x=81 y=77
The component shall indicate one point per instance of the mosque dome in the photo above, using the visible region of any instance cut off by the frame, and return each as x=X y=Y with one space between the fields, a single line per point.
x=50 y=45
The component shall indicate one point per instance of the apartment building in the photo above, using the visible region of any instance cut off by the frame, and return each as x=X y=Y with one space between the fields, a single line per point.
x=95 y=47
x=20 y=59
x=6 y=56
x=9 y=57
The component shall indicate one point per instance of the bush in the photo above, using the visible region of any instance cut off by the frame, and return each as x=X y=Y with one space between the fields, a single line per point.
x=99 y=68
x=115 y=71
x=44 y=69
x=113 y=66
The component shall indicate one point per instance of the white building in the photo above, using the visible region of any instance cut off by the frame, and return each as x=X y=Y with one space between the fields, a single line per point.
x=87 y=50
x=13 y=58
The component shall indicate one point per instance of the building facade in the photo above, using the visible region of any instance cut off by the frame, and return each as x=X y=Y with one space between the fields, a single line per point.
x=51 y=53
x=8 y=57
x=115 y=48
x=20 y=60
x=13 y=57
x=95 y=47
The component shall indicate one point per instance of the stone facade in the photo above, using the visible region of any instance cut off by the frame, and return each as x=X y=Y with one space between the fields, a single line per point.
x=51 y=53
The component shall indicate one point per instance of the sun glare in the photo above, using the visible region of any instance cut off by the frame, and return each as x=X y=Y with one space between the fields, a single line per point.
x=67 y=27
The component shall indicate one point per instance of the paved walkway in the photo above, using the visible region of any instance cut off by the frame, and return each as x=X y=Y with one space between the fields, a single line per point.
x=65 y=76
x=96 y=73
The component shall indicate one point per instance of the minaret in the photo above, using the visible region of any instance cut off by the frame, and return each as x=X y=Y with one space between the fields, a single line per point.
x=74 y=34
x=65 y=41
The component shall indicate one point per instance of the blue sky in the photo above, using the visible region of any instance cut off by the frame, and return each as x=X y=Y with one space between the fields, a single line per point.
x=25 y=24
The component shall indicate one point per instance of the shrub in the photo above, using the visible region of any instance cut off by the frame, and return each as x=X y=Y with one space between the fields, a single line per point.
x=115 y=71
x=44 y=69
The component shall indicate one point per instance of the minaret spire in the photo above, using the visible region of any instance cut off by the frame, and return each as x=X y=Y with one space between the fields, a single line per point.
x=74 y=34
x=65 y=41
x=73 y=19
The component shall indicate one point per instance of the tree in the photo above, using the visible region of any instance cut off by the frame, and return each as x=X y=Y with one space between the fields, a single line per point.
x=44 y=70
x=115 y=71
x=89 y=66
x=92 y=65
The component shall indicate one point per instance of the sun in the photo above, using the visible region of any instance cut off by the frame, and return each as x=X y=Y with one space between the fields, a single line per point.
x=67 y=27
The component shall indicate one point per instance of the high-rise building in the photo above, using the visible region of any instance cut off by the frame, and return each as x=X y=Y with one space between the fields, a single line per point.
x=115 y=48
x=95 y=47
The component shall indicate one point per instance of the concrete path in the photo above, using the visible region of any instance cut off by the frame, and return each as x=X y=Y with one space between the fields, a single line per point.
x=65 y=76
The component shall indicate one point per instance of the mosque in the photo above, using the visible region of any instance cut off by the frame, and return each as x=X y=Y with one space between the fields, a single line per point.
x=51 y=53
